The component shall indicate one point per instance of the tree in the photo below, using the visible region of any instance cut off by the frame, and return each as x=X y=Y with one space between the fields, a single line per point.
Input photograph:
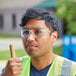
x=66 y=9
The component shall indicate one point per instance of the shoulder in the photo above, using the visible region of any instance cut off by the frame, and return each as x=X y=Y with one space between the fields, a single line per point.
x=61 y=59
x=67 y=60
x=67 y=64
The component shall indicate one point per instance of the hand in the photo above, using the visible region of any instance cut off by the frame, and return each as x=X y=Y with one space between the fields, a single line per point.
x=13 y=67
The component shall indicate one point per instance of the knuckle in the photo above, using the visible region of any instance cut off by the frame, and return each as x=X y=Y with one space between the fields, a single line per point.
x=20 y=64
x=12 y=65
x=14 y=73
x=20 y=69
x=19 y=72
x=9 y=61
x=13 y=68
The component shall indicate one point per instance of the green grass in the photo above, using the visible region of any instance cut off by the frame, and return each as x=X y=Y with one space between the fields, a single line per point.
x=8 y=36
x=5 y=54
x=58 y=50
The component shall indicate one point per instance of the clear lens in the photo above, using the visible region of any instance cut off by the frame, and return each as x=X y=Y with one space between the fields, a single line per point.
x=36 y=31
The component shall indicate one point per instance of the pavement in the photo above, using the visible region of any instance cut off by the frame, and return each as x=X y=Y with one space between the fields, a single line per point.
x=17 y=42
x=4 y=43
x=3 y=63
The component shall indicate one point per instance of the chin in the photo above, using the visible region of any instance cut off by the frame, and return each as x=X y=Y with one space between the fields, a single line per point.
x=33 y=54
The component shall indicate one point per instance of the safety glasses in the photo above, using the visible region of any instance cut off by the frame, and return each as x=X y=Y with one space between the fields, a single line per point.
x=36 y=31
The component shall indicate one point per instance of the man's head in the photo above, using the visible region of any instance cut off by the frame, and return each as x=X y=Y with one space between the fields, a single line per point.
x=39 y=31
x=40 y=14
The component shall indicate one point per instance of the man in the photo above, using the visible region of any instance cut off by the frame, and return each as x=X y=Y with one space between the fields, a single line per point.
x=39 y=32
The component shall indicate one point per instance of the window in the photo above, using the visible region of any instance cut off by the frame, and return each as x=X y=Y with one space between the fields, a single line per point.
x=1 y=21
x=14 y=21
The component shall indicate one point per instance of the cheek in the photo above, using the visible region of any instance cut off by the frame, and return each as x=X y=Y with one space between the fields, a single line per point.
x=45 y=43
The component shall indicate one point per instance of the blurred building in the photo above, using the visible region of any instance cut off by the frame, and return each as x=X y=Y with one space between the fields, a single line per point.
x=11 y=12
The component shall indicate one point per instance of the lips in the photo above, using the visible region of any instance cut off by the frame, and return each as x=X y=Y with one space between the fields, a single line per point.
x=31 y=45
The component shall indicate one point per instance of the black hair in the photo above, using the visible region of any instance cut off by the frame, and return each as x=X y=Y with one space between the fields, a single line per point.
x=41 y=14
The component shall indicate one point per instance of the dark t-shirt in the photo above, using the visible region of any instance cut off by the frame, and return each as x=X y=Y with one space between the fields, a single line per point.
x=36 y=72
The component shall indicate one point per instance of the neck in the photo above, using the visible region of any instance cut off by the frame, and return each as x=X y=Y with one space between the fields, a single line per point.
x=43 y=61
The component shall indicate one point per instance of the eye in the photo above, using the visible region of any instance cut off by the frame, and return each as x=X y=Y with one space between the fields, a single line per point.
x=38 y=31
x=26 y=32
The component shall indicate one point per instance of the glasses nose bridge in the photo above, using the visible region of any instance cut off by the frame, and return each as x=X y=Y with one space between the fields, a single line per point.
x=31 y=34
x=30 y=31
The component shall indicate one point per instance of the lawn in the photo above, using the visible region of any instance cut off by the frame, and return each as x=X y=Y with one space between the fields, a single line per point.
x=5 y=54
x=8 y=36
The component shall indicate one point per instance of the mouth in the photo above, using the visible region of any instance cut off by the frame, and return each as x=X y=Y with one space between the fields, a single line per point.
x=31 y=46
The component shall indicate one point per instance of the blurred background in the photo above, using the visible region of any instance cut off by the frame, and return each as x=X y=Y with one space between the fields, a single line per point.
x=11 y=12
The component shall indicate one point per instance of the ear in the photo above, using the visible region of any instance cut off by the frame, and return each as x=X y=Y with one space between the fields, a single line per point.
x=54 y=36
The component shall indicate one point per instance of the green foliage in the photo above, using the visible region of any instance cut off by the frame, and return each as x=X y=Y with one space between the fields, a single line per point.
x=66 y=9
x=72 y=27
x=58 y=50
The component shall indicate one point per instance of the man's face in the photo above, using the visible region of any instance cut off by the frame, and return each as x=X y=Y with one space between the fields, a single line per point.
x=35 y=43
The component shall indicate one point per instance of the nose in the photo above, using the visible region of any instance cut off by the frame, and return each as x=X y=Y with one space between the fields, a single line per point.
x=31 y=37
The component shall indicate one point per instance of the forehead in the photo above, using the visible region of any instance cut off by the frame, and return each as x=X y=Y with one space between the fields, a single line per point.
x=35 y=23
